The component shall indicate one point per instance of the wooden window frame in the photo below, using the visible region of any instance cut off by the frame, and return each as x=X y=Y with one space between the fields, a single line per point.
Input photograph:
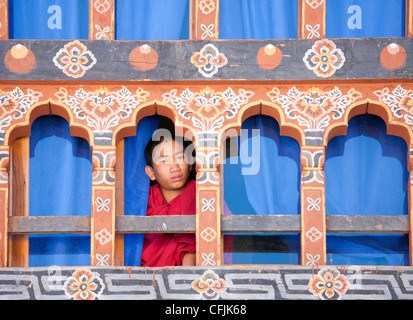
x=20 y=225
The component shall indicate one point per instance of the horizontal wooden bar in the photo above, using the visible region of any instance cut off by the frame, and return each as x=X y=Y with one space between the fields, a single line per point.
x=367 y=224
x=261 y=223
x=81 y=224
x=334 y=223
x=229 y=224
x=49 y=224
x=178 y=60
x=164 y=224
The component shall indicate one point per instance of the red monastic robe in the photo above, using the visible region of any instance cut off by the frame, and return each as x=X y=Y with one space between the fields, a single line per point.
x=165 y=249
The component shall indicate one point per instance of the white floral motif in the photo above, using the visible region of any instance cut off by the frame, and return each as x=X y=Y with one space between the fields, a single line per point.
x=314 y=3
x=399 y=100
x=102 y=109
x=313 y=234
x=207 y=6
x=74 y=59
x=208 y=60
x=313 y=31
x=314 y=108
x=102 y=32
x=210 y=285
x=207 y=31
x=14 y=104
x=208 y=234
x=312 y=260
x=102 y=6
x=208 y=205
x=83 y=285
x=102 y=205
x=103 y=236
x=313 y=204
x=208 y=259
x=102 y=261
x=207 y=107
x=324 y=58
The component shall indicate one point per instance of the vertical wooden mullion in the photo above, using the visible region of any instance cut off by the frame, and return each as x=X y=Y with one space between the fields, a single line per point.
x=120 y=200
x=4 y=204
x=410 y=203
x=103 y=207
x=311 y=19
x=101 y=19
x=204 y=25
x=410 y=209
x=208 y=210
x=204 y=20
x=313 y=212
x=19 y=199
x=4 y=19
x=409 y=18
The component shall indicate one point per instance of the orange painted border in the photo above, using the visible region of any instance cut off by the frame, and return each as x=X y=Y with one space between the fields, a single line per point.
x=4 y=18
x=409 y=18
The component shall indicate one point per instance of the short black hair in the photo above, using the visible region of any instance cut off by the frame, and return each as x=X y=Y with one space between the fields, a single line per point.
x=157 y=138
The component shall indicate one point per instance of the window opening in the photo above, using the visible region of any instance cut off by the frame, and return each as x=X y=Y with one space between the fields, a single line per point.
x=152 y=20
x=251 y=19
x=366 y=174
x=273 y=189
x=138 y=196
x=60 y=185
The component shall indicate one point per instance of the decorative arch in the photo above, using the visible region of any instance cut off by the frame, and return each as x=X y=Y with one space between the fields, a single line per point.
x=368 y=106
x=169 y=111
x=129 y=129
x=149 y=109
x=261 y=107
x=76 y=129
x=286 y=128
x=47 y=107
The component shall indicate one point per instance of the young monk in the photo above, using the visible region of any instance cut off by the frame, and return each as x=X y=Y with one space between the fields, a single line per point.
x=172 y=194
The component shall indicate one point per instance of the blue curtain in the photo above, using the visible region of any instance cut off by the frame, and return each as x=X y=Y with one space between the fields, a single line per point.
x=268 y=180
x=136 y=185
x=152 y=20
x=366 y=170
x=48 y=19
x=271 y=188
x=60 y=184
x=368 y=249
x=366 y=174
x=251 y=19
x=365 y=18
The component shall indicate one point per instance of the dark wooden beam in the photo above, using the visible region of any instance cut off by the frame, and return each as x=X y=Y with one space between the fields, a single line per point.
x=367 y=223
x=261 y=224
x=114 y=61
x=169 y=224
x=229 y=224
x=49 y=224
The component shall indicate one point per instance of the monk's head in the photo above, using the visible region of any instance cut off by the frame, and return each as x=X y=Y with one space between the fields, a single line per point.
x=169 y=161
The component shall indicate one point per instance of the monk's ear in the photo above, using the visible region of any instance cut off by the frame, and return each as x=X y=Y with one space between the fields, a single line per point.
x=149 y=171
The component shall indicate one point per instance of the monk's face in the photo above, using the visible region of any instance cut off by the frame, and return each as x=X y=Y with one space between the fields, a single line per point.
x=169 y=166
